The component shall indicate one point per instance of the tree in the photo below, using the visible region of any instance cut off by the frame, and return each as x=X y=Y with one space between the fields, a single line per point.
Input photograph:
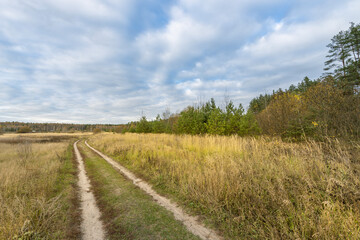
x=132 y=127
x=354 y=44
x=235 y=123
x=305 y=84
x=192 y=120
x=143 y=126
x=258 y=104
x=344 y=58
x=216 y=124
x=338 y=52
x=158 y=125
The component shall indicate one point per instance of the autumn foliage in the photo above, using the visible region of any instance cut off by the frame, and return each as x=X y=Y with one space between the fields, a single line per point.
x=323 y=110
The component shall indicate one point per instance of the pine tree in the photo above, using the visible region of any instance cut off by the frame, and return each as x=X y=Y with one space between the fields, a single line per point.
x=344 y=58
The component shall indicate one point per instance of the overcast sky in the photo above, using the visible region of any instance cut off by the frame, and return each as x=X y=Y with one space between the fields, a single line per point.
x=109 y=61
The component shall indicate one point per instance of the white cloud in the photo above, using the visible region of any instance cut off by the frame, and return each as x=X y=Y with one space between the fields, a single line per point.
x=103 y=61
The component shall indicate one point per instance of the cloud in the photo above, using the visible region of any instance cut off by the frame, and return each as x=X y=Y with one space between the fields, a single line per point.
x=110 y=61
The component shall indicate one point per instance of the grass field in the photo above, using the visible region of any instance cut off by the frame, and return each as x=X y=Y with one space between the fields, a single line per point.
x=37 y=193
x=245 y=188
x=259 y=188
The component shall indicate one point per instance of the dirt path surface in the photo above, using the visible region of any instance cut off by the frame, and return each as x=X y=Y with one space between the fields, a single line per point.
x=91 y=226
x=191 y=223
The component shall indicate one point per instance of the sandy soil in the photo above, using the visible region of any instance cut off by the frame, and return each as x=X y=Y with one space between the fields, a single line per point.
x=192 y=224
x=91 y=226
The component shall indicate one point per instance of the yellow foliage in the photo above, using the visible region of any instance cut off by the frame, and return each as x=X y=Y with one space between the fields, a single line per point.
x=285 y=110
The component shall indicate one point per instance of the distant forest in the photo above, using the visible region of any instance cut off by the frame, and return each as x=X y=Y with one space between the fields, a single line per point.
x=325 y=107
x=8 y=127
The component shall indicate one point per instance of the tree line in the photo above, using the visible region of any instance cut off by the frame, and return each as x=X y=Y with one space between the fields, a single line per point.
x=205 y=118
x=325 y=107
x=20 y=127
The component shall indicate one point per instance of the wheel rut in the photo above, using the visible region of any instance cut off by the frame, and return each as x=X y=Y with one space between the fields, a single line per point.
x=91 y=225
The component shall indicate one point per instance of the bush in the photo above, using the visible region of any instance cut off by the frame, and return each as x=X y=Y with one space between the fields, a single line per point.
x=286 y=116
x=119 y=129
x=96 y=131
x=334 y=112
x=24 y=129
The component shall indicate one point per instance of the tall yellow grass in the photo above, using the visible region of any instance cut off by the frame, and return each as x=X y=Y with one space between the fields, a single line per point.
x=251 y=187
x=28 y=175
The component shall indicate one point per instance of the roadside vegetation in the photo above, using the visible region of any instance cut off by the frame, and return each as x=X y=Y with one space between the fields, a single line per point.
x=250 y=187
x=37 y=188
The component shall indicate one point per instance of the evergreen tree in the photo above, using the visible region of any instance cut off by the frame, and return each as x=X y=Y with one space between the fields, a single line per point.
x=216 y=124
x=344 y=58
x=259 y=103
x=143 y=126
x=158 y=125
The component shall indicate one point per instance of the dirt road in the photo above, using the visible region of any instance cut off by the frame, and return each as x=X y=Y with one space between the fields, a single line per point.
x=91 y=226
x=192 y=224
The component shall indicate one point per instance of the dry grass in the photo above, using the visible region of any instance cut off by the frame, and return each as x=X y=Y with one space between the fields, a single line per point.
x=12 y=138
x=251 y=187
x=31 y=206
x=42 y=135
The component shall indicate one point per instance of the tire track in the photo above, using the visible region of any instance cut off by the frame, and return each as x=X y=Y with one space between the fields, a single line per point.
x=91 y=225
x=191 y=223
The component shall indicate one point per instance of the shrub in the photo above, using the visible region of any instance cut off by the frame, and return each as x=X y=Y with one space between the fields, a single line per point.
x=334 y=112
x=96 y=131
x=286 y=116
x=24 y=129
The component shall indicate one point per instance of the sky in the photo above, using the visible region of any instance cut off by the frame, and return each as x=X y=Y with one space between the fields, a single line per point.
x=112 y=61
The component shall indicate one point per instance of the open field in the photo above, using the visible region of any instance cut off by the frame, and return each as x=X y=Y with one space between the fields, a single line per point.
x=250 y=187
x=245 y=188
x=37 y=196
x=13 y=138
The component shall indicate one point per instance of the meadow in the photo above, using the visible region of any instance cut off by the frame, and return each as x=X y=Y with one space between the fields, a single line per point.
x=37 y=192
x=243 y=187
x=247 y=187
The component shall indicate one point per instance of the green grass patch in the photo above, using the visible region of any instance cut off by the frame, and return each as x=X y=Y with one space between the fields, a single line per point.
x=66 y=187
